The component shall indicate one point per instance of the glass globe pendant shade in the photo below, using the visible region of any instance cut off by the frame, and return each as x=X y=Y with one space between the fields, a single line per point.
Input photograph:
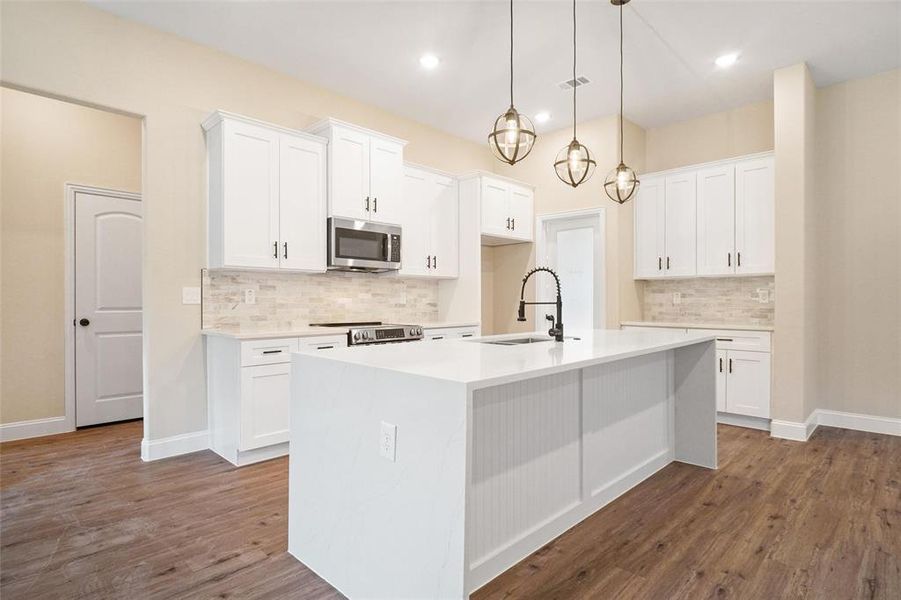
x=621 y=183
x=574 y=164
x=512 y=138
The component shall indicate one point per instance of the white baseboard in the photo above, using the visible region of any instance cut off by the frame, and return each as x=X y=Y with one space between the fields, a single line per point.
x=801 y=432
x=743 y=421
x=175 y=445
x=36 y=428
x=858 y=422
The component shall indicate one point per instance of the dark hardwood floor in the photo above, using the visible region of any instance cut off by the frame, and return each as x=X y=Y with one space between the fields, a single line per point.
x=82 y=517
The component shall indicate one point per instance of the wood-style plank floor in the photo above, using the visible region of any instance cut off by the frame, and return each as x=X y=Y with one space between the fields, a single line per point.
x=82 y=517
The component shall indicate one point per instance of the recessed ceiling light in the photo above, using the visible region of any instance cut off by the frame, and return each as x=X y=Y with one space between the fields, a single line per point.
x=429 y=61
x=542 y=117
x=726 y=60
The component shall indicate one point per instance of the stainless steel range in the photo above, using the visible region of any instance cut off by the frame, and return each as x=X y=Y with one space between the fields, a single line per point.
x=376 y=332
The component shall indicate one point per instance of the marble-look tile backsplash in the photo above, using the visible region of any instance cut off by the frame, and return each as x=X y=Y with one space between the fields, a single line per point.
x=730 y=300
x=291 y=300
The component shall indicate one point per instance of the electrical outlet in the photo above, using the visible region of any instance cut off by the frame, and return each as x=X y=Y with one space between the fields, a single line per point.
x=763 y=295
x=677 y=298
x=250 y=296
x=190 y=295
x=388 y=441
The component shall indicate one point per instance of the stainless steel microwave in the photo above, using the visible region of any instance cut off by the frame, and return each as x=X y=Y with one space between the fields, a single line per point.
x=363 y=245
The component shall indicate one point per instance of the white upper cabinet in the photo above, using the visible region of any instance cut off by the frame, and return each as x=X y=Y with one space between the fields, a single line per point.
x=754 y=217
x=430 y=224
x=507 y=210
x=649 y=240
x=716 y=220
x=266 y=196
x=365 y=172
x=679 y=225
x=710 y=221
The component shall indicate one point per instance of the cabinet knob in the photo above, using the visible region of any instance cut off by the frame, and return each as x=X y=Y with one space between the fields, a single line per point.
x=84 y=322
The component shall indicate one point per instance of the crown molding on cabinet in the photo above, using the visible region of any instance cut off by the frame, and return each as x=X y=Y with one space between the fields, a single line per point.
x=706 y=165
x=220 y=115
x=324 y=124
x=479 y=173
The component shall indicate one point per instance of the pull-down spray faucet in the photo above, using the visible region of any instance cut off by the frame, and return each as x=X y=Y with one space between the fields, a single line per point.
x=556 y=330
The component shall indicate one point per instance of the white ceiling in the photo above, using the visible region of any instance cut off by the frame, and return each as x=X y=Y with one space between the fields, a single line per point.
x=370 y=51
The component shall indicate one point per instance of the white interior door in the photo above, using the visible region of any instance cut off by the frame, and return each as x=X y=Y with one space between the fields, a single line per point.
x=573 y=247
x=108 y=329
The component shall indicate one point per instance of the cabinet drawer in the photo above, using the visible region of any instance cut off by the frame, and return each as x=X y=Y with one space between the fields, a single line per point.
x=648 y=328
x=322 y=343
x=447 y=333
x=267 y=352
x=754 y=341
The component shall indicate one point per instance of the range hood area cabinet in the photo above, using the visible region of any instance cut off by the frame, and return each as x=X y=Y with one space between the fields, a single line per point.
x=267 y=196
x=507 y=208
x=430 y=223
x=365 y=172
x=714 y=220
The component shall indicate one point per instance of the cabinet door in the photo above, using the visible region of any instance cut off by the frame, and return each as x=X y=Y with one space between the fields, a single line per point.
x=748 y=383
x=349 y=174
x=722 y=366
x=265 y=396
x=444 y=231
x=680 y=225
x=301 y=204
x=716 y=221
x=754 y=217
x=415 y=249
x=521 y=211
x=495 y=204
x=649 y=220
x=250 y=196
x=386 y=180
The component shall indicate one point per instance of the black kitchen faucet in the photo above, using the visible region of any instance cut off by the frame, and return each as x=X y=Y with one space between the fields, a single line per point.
x=556 y=330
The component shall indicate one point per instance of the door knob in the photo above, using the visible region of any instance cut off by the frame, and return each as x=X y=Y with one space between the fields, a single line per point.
x=84 y=322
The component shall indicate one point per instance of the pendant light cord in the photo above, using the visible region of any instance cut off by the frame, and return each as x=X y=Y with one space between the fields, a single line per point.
x=511 y=53
x=620 y=83
x=575 y=83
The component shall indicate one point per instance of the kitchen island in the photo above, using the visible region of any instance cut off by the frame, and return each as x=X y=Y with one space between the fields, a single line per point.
x=425 y=470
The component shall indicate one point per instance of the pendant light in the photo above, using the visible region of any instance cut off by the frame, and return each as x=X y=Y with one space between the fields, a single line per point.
x=622 y=182
x=513 y=135
x=574 y=165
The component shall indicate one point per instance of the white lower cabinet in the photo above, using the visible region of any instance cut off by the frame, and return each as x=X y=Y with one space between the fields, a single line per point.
x=249 y=391
x=742 y=370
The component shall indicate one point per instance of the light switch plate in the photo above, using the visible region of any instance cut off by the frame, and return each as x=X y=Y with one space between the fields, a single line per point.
x=677 y=298
x=190 y=295
x=388 y=441
x=250 y=296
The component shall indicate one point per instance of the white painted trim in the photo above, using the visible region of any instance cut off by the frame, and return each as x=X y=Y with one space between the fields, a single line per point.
x=713 y=163
x=859 y=422
x=218 y=116
x=541 y=221
x=318 y=127
x=792 y=430
x=743 y=421
x=174 y=445
x=490 y=175
x=36 y=428
x=71 y=190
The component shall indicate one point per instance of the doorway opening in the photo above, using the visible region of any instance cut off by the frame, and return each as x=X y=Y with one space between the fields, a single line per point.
x=572 y=244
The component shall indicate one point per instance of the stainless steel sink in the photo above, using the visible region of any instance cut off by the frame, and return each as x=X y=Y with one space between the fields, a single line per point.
x=518 y=341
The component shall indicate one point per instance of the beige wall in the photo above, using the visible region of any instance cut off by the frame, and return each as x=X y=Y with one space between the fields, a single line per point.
x=45 y=144
x=858 y=222
x=736 y=132
x=73 y=50
x=553 y=196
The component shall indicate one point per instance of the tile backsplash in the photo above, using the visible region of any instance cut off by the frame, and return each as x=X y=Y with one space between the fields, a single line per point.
x=291 y=300
x=729 y=300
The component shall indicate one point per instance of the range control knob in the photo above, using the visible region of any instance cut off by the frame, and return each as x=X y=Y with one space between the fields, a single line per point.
x=357 y=336
x=418 y=331
x=365 y=335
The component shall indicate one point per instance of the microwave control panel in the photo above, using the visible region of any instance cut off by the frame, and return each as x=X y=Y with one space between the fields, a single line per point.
x=395 y=248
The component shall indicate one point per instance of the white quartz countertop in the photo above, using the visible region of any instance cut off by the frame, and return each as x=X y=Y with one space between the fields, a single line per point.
x=315 y=331
x=731 y=326
x=478 y=364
